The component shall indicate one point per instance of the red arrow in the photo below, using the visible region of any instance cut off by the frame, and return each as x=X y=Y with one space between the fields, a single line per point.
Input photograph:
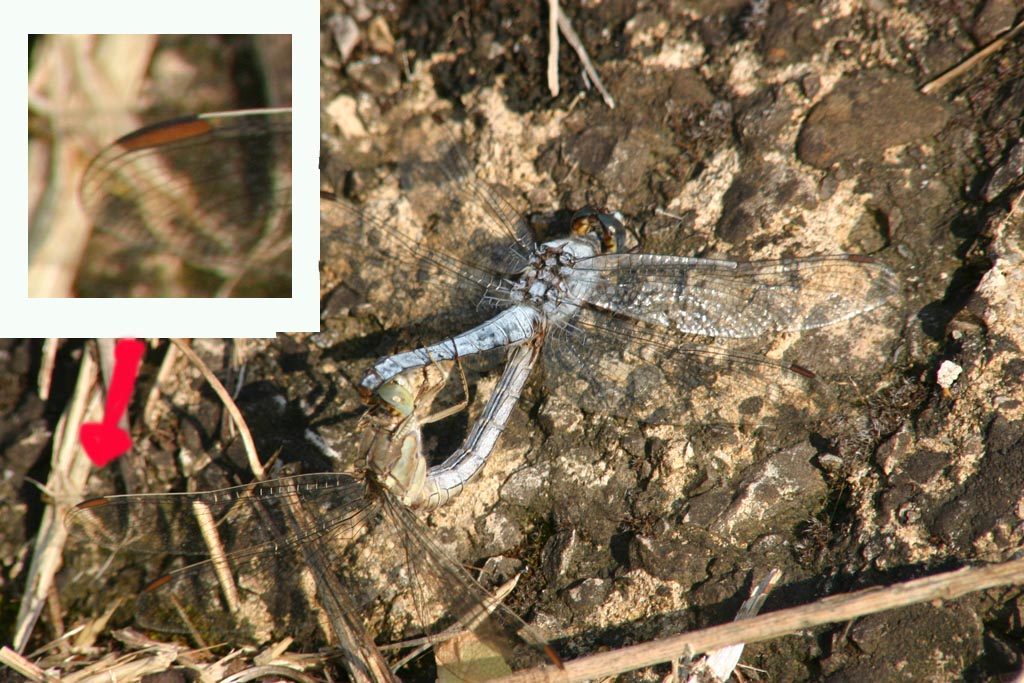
x=105 y=441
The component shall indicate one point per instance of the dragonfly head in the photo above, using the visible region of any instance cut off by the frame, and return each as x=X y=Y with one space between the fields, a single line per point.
x=396 y=397
x=606 y=226
x=368 y=386
x=388 y=416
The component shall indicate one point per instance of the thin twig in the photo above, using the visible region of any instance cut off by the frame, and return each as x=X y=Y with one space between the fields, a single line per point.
x=73 y=78
x=30 y=671
x=68 y=472
x=46 y=362
x=574 y=40
x=553 y=12
x=972 y=61
x=837 y=608
x=236 y=416
x=166 y=367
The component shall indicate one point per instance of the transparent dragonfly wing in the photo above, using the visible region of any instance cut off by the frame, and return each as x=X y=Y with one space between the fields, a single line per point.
x=213 y=190
x=440 y=177
x=610 y=367
x=736 y=300
x=403 y=277
x=450 y=243
x=165 y=523
x=693 y=329
x=234 y=545
x=246 y=579
x=450 y=601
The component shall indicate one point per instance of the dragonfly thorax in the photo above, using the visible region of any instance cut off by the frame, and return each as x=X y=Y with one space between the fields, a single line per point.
x=394 y=458
x=552 y=279
x=548 y=281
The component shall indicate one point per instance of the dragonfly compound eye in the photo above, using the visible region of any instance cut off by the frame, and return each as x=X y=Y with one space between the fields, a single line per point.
x=607 y=226
x=613 y=231
x=584 y=221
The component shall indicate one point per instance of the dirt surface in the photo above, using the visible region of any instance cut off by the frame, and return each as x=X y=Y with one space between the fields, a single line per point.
x=740 y=130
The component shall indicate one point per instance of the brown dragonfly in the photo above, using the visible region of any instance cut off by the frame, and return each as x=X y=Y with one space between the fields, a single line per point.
x=244 y=576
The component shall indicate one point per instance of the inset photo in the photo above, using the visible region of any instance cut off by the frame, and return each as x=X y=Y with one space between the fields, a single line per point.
x=160 y=166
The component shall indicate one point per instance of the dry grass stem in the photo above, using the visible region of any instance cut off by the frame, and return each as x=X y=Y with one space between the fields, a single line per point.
x=236 y=416
x=963 y=67
x=837 y=608
x=574 y=40
x=68 y=472
x=166 y=368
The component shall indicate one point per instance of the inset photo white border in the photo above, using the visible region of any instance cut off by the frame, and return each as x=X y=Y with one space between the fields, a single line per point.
x=40 y=316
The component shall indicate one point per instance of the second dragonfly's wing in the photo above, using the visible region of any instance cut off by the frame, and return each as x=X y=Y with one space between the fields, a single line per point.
x=233 y=552
x=246 y=577
x=212 y=190
x=449 y=602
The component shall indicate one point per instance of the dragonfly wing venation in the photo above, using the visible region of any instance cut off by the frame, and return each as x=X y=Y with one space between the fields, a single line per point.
x=209 y=196
x=736 y=300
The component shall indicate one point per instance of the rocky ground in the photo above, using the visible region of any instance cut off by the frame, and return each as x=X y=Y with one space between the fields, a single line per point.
x=740 y=130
